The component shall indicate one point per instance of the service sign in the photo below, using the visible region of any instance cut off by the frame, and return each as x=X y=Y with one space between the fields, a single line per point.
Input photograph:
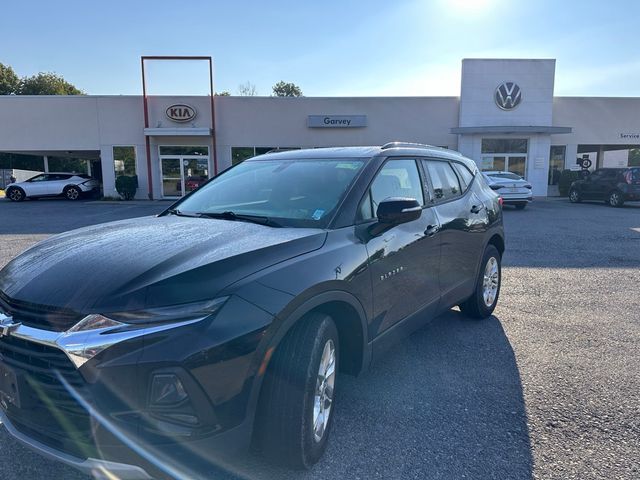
x=336 y=121
x=181 y=112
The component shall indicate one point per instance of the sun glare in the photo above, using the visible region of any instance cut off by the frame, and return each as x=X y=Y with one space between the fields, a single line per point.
x=470 y=6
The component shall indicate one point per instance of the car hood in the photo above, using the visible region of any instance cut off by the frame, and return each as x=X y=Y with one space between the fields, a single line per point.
x=150 y=261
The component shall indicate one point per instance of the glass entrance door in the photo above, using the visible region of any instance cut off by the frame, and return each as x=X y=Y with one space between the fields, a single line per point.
x=183 y=174
x=195 y=172
x=171 y=177
x=505 y=163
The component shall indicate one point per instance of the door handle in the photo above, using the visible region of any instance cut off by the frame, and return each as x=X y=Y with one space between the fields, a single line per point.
x=432 y=230
x=476 y=208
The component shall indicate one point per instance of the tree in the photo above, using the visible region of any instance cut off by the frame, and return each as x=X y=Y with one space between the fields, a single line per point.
x=247 y=90
x=286 y=89
x=224 y=93
x=47 y=84
x=9 y=81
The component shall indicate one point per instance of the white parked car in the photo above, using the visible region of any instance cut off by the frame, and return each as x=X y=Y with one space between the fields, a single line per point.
x=70 y=185
x=513 y=189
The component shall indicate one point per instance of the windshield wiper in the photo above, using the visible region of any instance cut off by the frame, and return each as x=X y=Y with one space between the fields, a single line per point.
x=175 y=211
x=229 y=215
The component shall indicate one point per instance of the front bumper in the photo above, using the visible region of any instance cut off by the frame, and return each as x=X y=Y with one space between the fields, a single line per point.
x=89 y=466
x=93 y=413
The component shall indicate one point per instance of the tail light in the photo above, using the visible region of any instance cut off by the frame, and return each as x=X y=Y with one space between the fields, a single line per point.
x=500 y=201
x=630 y=178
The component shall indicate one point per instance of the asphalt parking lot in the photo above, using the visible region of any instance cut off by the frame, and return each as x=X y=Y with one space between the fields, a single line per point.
x=548 y=388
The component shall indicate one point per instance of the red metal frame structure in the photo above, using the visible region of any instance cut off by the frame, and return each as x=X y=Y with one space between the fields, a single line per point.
x=145 y=58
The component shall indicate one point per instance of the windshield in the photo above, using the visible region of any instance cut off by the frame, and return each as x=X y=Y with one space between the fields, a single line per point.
x=292 y=192
x=507 y=175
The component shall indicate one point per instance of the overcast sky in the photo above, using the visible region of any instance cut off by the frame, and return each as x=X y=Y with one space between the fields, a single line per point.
x=328 y=48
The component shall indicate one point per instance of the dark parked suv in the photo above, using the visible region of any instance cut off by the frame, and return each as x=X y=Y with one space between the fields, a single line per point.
x=143 y=347
x=611 y=185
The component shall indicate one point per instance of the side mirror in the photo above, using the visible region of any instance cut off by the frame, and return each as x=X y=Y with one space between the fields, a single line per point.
x=397 y=210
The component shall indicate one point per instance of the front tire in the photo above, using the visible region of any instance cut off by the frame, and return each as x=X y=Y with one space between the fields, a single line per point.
x=72 y=193
x=485 y=297
x=615 y=199
x=574 y=196
x=296 y=403
x=521 y=206
x=15 y=194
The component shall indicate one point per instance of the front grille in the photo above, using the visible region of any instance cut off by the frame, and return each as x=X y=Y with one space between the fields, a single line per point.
x=48 y=412
x=39 y=316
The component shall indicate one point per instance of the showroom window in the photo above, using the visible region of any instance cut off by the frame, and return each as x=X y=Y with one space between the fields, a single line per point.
x=179 y=150
x=124 y=161
x=504 y=145
x=505 y=155
x=240 y=154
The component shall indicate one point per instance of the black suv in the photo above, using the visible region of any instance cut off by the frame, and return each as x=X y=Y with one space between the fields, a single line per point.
x=611 y=185
x=143 y=346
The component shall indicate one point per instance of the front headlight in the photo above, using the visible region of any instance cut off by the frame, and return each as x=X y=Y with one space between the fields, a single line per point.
x=96 y=332
x=172 y=313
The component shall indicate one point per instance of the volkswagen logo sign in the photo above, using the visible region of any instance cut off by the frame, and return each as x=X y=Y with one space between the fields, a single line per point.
x=508 y=95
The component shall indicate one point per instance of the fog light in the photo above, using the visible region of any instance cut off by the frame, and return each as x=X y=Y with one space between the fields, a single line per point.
x=167 y=389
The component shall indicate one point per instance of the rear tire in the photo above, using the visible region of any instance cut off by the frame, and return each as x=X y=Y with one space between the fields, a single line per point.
x=15 y=194
x=72 y=193
x=615 y=199
x=485 y=297
x=294 y=396
x=574 y=196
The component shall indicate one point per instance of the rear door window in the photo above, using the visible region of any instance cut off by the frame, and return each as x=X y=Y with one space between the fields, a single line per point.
x=464 y=175
x=444 y=180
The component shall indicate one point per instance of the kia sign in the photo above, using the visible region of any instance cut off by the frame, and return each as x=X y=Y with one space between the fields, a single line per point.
x=181 y=112
x=336 y=121
x=508 y=95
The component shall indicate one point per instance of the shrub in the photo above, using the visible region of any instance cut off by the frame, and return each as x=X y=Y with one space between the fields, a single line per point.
x=126 y=186
x=567 y=177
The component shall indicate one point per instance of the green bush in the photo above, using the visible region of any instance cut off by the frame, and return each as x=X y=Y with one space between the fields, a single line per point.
x=126 y=186
x=567 y=177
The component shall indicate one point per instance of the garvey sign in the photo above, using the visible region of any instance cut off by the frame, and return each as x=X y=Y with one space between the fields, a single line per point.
x=336 y=121
x=180 y=112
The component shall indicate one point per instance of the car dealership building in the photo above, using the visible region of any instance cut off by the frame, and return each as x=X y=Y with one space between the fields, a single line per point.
x=506 y=118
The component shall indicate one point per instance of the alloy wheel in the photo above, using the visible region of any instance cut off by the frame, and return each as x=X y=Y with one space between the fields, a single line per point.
x=72 y=194
x=614 y=199
x=490 y=282
x=573 y=196
x=323 y=397
x=15 y=195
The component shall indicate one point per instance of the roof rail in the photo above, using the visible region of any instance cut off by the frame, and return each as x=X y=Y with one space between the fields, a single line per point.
x=405 y=144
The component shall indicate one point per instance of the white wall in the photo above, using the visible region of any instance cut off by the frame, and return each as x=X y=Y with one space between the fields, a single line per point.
x=282 y=122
